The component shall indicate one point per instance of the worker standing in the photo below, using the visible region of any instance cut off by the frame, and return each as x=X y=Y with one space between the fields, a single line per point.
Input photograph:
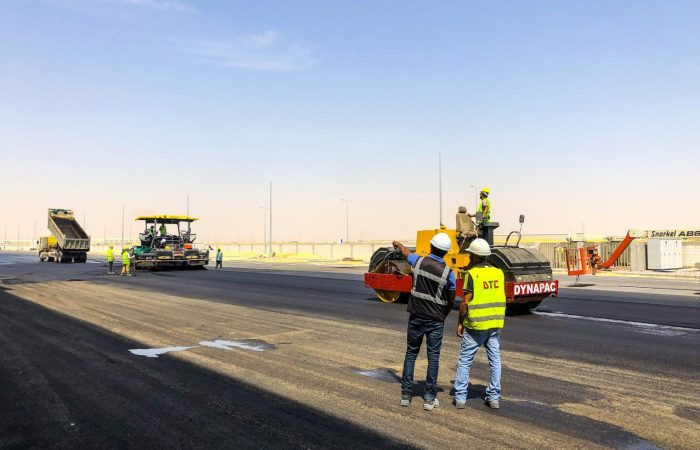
x=481 y=316
x=484 y=206
x=432 y=298
x=162 y=229
x=126 y=262
x=110 y=259
x=219 y=260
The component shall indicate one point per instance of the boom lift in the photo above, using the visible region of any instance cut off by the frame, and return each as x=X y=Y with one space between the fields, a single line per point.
x=584 y=259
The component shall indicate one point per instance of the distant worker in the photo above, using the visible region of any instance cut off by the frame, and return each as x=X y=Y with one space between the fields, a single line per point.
x=110 y=259
x=162 y=230
x=126 y=262
x=219 y=260
x=481 y=316
x=432 y=298
x=484 y=205
x=152 y=232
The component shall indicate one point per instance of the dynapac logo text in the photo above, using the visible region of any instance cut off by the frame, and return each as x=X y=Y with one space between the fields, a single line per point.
x=543 y=287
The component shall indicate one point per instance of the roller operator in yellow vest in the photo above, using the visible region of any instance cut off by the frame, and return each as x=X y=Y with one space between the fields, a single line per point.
x=481 y=316
x=484 y=205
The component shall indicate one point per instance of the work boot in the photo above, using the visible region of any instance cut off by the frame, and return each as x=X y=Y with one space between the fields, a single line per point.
x=429 y=405
x=460 y=404
x=493 y=404
x=405 y=399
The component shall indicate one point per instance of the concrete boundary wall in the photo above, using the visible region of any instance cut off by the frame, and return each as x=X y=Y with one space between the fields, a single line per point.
x=634 y=258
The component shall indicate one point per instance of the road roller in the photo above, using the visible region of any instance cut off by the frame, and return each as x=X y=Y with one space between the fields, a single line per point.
x=528 y=274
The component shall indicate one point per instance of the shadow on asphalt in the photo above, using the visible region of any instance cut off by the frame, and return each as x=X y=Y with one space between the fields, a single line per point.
x=70 y=384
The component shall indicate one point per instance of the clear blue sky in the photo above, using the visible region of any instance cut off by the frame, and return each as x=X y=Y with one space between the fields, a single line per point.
x=572 y=112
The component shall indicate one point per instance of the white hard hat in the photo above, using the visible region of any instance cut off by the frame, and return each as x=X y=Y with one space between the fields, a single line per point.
x=441 y=241
x=479 y=247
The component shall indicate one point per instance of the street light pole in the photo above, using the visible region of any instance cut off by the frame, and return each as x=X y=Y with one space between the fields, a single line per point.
x=440 y=182
x=269 y=250
x=122 y=225
x=347 y=219
x=476 y=198
x=264 y=228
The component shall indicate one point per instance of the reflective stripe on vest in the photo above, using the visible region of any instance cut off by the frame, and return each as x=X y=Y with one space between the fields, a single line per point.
x=125 y=258
x=487 y=309
x=110 y=255
x=441 y=280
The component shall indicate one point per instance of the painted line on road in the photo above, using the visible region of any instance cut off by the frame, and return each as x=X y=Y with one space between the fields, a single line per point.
x=651 y=328
x=255 y=345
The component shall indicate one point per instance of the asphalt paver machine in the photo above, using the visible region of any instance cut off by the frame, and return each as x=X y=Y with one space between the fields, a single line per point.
x=168 y=242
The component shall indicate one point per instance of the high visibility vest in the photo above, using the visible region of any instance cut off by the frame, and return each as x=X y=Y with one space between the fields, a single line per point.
x=487 y=309
x=126 y=258
x=110 y=255
x=480 y=208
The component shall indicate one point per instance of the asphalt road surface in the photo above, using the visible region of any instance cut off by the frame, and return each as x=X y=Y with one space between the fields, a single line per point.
x=256 y=358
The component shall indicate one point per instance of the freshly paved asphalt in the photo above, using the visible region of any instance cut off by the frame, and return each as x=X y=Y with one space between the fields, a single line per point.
x=653 y=329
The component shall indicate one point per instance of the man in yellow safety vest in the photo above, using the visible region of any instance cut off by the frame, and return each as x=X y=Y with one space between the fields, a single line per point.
x=126 y=262
x=481 y=317
x=484 y=205
x=110 y=259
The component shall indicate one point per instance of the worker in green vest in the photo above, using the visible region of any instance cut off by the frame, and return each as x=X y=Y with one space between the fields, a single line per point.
x=110 y=259
x=126 y=262
x=481 y=316
x=162 y=230
x=484 y=206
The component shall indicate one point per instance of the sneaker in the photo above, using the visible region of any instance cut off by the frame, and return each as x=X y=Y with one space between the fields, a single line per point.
x=460 y=404
x=429 y=405
x=405 y=399
x=493 y=404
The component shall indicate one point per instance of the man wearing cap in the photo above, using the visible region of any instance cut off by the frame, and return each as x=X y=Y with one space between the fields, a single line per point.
x=432 y=298
x=481 y=316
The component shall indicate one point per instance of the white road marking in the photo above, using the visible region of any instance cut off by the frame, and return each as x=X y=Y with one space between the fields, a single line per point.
x=651 y=328
x=154 y=352
x=228 y=345
x=256 y=346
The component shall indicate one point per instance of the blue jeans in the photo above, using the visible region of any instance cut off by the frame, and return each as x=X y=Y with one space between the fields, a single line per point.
x=432 y=330
x=471 y=341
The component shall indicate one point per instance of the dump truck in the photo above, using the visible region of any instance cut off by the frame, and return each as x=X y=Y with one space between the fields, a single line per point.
x=168 y=248
x=528 y=274
x=68 y=241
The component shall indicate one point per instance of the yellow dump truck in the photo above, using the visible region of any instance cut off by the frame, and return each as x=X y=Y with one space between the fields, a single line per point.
x=68 y=242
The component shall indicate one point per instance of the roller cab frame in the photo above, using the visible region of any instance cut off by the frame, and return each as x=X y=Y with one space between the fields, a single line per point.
x=172 y=250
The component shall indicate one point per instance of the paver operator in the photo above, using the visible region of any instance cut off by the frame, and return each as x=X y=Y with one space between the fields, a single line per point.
x=481 y=316
x=162 y=229
x=432 y=298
